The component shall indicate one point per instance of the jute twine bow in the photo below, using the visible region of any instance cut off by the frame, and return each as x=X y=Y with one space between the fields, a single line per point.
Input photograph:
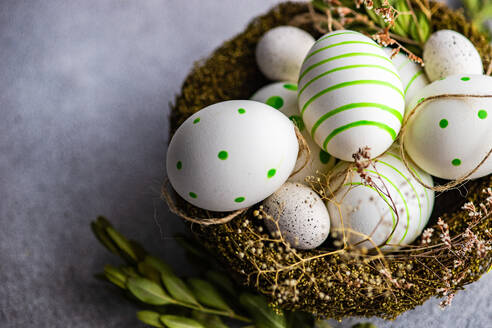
x=451 y=184
x=166 y=192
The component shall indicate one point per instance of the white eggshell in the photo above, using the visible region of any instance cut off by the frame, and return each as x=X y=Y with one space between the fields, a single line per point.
x=231 y=155
x=280 y=52
x=448 y=137
x=362 y=211
x=350 y=95
x=412 y=74
x=448 y=53
x=283 y=96
x=302 y=216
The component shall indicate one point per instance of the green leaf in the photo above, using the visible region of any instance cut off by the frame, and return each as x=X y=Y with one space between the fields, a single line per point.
x=423 y=31
x=177 y=288
x=148 y=291
x=222 y=281
x=115 y=275
x=103 y=238
x=206 y=294
x=122 y=243
x=299 y=320
x=158 y=264
x=405 y=19
x=129 y=271
x=364 y=325
x=174 y=321
x=150 y=318
x=208 y=320
x=149 y=272
x=263 y=315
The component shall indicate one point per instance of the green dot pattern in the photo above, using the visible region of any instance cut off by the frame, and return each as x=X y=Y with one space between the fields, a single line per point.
x=271 y=173
x=420 y=100
x=456 y=162
x=443 y=123
x=482 y=114
x=193 y=195
x=179 y=165
x=275 y=101
x=223 y=155
x=297 y=120
x=239 y=199
x=289 y=86
x=324 y=157
x=241 y=110
x=465 y=78
x=196 y=120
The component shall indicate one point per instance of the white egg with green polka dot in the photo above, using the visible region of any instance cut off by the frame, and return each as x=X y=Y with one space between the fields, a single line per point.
x=299 y=214
x=283 y=96
x=450 y=130
x=231 y=155
x=412 y=74
x=361 y=210
x=350 y=95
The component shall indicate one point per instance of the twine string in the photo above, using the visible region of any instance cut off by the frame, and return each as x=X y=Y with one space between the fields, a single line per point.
x=452 y=184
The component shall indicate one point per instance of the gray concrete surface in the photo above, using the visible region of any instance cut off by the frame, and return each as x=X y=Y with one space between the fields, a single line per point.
x=84 y=93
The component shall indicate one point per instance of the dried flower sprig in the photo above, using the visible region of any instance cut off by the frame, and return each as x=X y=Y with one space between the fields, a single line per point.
x=389 y=24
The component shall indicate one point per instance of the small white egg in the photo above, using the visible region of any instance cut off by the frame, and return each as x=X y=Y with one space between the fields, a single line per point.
x=231 y=155
x=362 y=210
x=350 y=95
x=412 y=74
x=301 y=215
x=280 y=52
x=283 y=96
x=448 y=136
x=448 y=53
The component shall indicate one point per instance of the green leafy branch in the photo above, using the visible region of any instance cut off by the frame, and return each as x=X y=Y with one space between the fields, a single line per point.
x=173 y=302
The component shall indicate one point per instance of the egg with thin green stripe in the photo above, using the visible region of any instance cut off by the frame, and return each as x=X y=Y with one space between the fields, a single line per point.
x=449 y=127
x=283 y=96
x=231 y=155
x=350 y=95
x=390 y=212
x=412 y=74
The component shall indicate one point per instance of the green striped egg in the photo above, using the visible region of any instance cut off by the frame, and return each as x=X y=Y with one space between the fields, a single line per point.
x=350 y=95
x=283 y=96
x=367 y=211
x=412 y=74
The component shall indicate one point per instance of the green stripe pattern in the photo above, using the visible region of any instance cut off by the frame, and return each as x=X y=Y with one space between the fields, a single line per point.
x=345 y=127
x=347 y=55
x=414 y=77
x=348 y=84
x=421 y=177
x=354 y=55
x=371 y=44
x=411 y=186
x=360 y=105
x=401 y=186
x=314 y=79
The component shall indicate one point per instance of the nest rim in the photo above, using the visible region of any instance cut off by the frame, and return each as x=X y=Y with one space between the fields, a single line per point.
x=200 y=90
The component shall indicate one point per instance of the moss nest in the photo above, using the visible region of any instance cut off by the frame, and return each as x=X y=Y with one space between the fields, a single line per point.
x=331 y=282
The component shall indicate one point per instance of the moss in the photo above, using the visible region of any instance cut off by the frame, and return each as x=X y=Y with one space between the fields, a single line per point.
x=329 y=284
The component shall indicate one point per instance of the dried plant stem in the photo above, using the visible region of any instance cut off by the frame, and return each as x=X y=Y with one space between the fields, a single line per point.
x=166 y=194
